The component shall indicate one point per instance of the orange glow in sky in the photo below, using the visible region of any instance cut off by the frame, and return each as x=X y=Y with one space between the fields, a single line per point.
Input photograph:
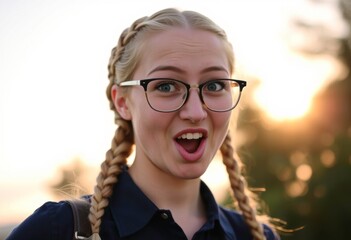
x=289 y=92
x=53 y=61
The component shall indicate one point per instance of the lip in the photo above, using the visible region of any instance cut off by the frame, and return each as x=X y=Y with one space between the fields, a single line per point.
x=192 y=157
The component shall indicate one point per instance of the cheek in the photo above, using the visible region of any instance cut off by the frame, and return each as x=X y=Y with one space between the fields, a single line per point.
x=220 y=125
x=150 y=126
x=221 y=121
x=138 y=106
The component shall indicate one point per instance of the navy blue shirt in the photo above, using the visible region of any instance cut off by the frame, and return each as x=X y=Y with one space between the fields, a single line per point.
x=131 y=215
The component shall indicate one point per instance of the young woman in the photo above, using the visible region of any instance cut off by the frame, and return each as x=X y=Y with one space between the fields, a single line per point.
x=171 y=90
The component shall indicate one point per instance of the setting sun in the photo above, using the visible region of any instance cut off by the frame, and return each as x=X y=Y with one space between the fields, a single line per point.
x=287 y=92
x=53 y=75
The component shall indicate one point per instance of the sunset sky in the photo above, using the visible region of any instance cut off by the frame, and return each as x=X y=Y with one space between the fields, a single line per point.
x=53 y=74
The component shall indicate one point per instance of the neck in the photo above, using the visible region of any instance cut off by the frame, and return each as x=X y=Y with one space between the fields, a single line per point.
x=167 y=192
x=180 y=196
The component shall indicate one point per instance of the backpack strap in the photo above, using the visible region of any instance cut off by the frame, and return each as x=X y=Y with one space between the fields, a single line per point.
x=80 y=210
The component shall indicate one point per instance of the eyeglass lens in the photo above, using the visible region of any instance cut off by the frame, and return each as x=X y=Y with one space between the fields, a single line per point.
x=168 y=95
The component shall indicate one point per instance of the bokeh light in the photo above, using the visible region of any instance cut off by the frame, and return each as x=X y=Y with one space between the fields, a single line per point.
x=304 y=172
x=328 y=158
x=294 y=132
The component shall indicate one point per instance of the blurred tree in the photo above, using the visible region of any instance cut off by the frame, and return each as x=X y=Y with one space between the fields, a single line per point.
x=306 y=163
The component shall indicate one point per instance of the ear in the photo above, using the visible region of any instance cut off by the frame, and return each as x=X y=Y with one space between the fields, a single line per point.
x=120 y=102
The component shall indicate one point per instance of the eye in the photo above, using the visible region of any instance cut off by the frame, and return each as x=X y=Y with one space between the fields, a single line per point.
x=214 y=86
x=165 y=87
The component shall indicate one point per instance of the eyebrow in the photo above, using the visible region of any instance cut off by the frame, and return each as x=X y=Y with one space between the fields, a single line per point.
x=166 y=68
x=178 y=70
x=214 y=69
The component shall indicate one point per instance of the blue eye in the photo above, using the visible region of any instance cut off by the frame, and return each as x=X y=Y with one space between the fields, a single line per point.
x=214 y=86
x=165 y=87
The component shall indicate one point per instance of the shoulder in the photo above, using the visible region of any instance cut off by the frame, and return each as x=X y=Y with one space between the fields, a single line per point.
x=234 y=221
x=53 y=220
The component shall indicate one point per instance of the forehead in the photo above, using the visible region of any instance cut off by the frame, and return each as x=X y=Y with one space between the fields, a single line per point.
x=185 y=48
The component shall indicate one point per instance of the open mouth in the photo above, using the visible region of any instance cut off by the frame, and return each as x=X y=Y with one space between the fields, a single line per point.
x=190 y=141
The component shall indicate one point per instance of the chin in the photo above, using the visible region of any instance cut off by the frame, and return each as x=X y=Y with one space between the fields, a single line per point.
x=192 y=173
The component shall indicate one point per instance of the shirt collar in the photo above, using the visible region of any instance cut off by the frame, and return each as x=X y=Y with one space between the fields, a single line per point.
x=132 y=210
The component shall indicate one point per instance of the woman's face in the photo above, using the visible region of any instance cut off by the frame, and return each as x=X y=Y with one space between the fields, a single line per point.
x=192 y=56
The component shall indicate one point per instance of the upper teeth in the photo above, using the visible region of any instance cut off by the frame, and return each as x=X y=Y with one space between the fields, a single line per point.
x=190 y=136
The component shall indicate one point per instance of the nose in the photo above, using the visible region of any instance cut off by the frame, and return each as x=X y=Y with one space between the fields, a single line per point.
x=193 y=110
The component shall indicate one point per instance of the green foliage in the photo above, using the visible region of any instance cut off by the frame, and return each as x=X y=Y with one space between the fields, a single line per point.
x=306 y=169
x=306 y=164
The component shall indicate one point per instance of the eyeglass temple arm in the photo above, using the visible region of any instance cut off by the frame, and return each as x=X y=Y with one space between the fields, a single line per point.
x=242 y=84
x=129 y=83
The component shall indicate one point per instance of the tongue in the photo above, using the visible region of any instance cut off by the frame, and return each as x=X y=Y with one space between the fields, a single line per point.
x=189 y=145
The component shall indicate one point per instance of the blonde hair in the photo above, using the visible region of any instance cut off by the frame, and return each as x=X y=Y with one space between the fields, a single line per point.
x=122 y=64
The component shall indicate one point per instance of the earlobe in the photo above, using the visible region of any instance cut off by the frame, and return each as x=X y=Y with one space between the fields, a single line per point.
x=120 y=102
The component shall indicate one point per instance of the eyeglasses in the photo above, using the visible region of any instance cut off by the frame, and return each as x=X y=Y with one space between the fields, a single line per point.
x=169 y=95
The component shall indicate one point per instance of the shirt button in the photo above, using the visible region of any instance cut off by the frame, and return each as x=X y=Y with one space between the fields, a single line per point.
x=164 y=216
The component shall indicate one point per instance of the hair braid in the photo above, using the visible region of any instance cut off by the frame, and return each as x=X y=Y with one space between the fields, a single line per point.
x=122 y=64
x=121 y=146
x=116 y=54
x=110 y=168
x=245 y=198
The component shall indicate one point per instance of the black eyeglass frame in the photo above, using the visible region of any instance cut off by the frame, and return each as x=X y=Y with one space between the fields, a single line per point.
x=144 y=83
